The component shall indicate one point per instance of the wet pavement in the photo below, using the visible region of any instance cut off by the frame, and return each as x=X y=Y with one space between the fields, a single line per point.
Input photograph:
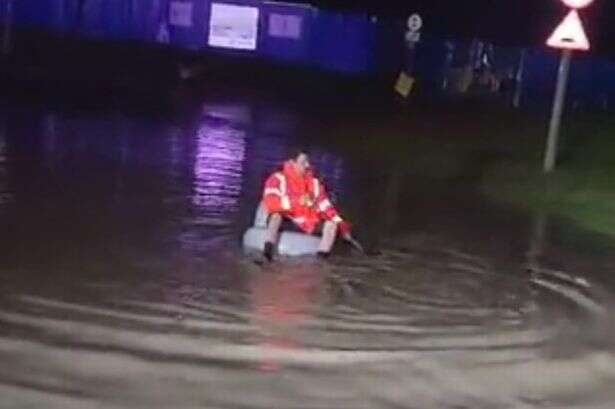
x=123 y=285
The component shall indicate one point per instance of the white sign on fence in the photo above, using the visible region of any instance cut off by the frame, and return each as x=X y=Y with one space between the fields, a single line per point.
x=232 y=26
x=180 y=14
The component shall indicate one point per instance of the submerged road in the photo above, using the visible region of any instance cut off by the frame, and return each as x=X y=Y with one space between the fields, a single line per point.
x=122 y=284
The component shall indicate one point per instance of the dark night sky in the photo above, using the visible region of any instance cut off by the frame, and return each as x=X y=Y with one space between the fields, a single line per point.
x=504 y=21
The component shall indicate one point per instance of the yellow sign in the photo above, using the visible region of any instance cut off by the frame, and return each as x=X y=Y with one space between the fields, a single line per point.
x=404 y=84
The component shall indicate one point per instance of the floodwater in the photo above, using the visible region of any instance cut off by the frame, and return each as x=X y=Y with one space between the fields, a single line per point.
x=123 y=285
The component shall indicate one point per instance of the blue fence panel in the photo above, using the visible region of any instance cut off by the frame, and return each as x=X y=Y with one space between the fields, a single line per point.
x=539 y=77
x=286 y=31
x=6 y=8
x=606 y=75
x=591 y=82
x=116 y=19
x=49 y=15
x=431 y=64
x=148 y=21
x=105 y=19
x=90 y=18
x=341 y=42
x=388 y=46
x=581 y=86
x=188 y=23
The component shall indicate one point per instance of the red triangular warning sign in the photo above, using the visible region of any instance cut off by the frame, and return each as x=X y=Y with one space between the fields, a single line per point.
x=570 y=35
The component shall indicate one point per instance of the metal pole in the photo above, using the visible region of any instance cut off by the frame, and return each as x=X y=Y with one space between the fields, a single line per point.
x=519 y=80
x=558 y=110
x=7 y=25
x=450 y=50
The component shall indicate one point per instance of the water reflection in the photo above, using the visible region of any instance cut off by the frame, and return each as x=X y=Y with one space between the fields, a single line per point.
x=218 y=171
x=217 y=183
x=284 y=300
x=175 y=148
x=5 y=195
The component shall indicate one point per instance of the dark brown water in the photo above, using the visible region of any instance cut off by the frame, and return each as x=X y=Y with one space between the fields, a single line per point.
x=122 y=283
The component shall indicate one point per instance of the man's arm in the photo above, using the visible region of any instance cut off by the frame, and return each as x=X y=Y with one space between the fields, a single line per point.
x=323 y=204
x=275 y=194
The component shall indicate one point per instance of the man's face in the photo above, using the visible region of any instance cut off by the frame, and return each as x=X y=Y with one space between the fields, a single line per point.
x=303 y=163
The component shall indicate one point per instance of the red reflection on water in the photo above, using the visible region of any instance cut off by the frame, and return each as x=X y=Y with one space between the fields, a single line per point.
x=283 y=302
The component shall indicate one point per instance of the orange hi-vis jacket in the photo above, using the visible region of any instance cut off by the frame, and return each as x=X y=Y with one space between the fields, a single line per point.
x=302 y=199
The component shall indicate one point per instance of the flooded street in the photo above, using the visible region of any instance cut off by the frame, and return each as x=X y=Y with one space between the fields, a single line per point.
x=123 y=284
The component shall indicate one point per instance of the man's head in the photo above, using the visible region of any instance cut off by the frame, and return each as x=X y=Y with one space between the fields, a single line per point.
x=302 y=162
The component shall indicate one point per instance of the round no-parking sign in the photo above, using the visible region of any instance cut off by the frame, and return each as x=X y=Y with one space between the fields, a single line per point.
x=415 y=22
x=577 y=4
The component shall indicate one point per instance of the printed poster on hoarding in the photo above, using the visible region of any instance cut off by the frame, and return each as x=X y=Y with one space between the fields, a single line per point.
x=232 y=26
x=180 y=14
x=285 y=26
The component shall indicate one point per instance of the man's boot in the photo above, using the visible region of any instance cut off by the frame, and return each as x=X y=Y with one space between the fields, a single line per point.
x=268 y=251
x=323 y=255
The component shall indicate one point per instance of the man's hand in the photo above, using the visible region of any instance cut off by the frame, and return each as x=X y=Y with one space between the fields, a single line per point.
x=346 y=230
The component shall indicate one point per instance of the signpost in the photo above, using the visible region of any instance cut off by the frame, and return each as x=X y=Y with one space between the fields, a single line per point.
x=568 y=36
x=7 y=33
x=413 y=35
x=406 y=80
